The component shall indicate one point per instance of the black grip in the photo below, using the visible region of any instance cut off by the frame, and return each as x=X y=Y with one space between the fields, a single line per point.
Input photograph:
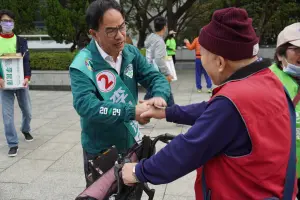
x=118 y=175
x=169 y=136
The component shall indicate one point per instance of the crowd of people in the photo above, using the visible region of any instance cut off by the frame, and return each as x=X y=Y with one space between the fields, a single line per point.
x=243 y=141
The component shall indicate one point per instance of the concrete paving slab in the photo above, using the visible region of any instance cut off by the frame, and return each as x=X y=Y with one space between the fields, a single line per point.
x=10 y=190
x=175 y=197
x=72 y=161
x=186 y=185
x=37 y=123
x=38 y=141
x=24 y=171
x=50 y=151
x=49 y=130
x=67 y=136
x=54 y=185
x=6 y=161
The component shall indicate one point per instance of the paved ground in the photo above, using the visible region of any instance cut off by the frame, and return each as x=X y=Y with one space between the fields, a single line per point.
x=51 y=166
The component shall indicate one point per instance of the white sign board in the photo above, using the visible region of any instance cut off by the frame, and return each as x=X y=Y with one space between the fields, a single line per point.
x=12 y=71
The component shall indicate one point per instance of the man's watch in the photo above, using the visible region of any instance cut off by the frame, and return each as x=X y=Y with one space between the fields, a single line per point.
x=134 y=175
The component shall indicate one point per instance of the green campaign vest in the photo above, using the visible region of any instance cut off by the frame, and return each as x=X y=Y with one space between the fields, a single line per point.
x=112 y=88
x=292 y=87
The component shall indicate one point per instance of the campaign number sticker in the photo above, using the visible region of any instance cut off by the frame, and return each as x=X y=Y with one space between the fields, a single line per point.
x=106 y=81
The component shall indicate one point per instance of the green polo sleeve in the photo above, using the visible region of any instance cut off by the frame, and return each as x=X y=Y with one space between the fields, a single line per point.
x=89 y=105
x=150 y=78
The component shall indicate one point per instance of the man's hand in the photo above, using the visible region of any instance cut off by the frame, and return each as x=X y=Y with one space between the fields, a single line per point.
x=139 y=109
x=155 y=101
x=186 y=41
x=127 y=174
x=169 y=78
x=26 y=82
x=1 y=83
x=153 y=112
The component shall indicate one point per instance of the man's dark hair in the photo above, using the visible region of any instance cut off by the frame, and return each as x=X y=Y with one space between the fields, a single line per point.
x=281 y=51
x=8 y=13
x=96 y=11
x=159 y=23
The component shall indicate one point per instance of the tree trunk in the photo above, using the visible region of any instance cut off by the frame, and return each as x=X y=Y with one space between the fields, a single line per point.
x=142 y=37
x=73 y=47
x=261 y=24
x=170 y=16
x=263 y=19
x=75 y=41
x=174 y=17
x=142 y=22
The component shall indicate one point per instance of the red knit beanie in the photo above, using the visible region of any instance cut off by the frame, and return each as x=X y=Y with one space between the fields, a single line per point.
x=230 y=34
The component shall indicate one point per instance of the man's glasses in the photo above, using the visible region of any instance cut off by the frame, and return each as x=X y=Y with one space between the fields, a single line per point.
x=295 y=49
x=112 y=32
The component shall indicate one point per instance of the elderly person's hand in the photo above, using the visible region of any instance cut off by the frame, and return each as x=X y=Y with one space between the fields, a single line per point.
x=155 y=101
x=128 y=174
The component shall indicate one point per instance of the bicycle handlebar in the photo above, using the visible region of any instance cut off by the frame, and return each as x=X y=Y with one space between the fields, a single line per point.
x=165 y=138
x=114 y=175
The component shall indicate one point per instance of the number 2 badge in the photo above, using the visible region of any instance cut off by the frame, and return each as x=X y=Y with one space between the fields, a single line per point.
x=106 y=81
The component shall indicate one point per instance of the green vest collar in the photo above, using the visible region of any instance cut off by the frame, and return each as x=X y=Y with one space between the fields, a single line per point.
x=99 y=63
x=289 y=83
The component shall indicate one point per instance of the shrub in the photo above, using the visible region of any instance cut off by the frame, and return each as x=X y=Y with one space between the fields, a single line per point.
x=51 y=60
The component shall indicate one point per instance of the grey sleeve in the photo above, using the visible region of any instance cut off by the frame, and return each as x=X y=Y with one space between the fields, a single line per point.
x=159 y=57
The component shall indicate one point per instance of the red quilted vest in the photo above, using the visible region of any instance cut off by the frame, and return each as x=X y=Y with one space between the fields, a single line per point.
x=261 y=101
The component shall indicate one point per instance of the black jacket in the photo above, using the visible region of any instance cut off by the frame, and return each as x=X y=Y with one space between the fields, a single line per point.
x=22 y=48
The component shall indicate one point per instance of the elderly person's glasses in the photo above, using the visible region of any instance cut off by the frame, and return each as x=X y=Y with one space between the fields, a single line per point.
x=112 y=32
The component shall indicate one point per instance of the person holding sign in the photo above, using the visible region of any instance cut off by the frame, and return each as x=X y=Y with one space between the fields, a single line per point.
x=243 y=140
x=104 y=81
x=11 y=44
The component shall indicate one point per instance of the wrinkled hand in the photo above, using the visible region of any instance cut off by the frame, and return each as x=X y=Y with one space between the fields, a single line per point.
x=1 y=83
x=169 y=78
x=186 y=41
x=139 y=109
x=154 y=112
x=26 y=82
x=155 y=101
x=127 y=174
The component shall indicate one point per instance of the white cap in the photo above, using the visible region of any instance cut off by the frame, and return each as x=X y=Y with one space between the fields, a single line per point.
x=290 y=34
x=172 y=32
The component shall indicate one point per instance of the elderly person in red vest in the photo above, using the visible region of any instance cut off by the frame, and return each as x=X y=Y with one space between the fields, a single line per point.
x=243 y=138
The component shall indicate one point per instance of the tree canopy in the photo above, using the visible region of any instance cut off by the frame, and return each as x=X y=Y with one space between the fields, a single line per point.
x=65 y=19
x=25 y=15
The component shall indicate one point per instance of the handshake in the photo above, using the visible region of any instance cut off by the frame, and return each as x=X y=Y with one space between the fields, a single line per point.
x=152 y=108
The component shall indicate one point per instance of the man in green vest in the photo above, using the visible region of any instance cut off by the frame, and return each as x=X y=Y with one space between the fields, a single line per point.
x=104 y=81
x=287 y=69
